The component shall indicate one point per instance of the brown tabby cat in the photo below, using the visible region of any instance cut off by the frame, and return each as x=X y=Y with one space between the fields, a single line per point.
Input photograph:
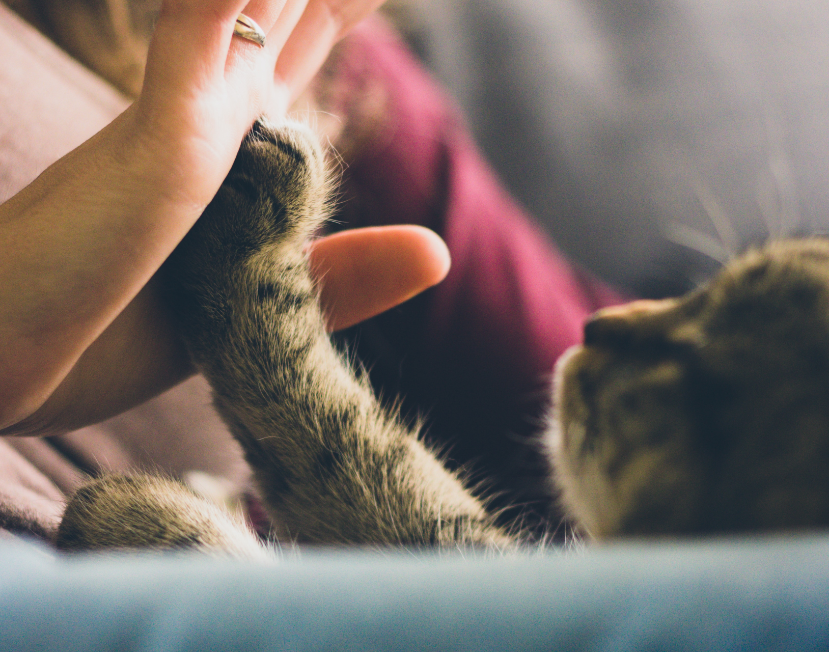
x=698 y=415
x=704 y=414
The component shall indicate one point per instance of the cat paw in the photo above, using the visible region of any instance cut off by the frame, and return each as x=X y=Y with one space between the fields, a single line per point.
x=146 y=512
x=275 y=197
x=279 y=181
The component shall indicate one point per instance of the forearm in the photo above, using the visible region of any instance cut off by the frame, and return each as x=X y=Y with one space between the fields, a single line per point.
x=79 y=244
x=136 y=358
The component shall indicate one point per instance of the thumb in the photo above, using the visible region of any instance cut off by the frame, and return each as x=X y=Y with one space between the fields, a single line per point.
x=363 y=272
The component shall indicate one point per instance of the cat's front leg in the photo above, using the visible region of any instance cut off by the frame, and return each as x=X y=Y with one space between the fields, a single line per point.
x=333 y=465
x=150 y=512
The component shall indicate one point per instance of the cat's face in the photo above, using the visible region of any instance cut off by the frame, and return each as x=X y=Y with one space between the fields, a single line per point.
x=708 y=413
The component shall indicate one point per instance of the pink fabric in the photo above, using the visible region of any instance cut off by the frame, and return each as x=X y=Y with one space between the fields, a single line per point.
x=509 y=292
x=50 y=104
x=476 y=354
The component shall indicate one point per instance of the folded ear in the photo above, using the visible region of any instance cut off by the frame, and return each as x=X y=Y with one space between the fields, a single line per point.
x=638 y=321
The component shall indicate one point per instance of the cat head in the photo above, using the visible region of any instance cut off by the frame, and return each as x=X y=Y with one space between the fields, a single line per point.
x=703 y=414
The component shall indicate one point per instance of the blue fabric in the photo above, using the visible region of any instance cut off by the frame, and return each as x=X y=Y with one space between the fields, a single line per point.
x=732 y=595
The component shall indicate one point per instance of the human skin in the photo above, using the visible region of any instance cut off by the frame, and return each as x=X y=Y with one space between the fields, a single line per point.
x=84 y=332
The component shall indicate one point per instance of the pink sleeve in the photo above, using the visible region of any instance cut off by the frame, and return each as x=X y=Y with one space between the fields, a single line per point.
x=476 y=353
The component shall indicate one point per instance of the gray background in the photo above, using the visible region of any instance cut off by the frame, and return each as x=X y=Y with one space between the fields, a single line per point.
x=653 y=139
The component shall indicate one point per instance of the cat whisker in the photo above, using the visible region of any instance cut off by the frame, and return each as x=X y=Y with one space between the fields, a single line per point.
x=690 y=238
x=777 y=199
x=719 y=218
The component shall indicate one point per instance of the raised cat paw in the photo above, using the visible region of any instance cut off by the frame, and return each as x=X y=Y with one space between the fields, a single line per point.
x=280 y=178
x=276 y=194
x=251 y=239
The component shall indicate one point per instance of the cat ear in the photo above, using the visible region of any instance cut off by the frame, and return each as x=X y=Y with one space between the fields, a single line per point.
x=643 y=319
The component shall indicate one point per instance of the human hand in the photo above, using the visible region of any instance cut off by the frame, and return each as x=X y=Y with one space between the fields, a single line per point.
x=203 y=87
x=86 y=237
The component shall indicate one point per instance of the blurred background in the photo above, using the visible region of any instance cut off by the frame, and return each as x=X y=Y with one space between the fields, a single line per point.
x=652 y=139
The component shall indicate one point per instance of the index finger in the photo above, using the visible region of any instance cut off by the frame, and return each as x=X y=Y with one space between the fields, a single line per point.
x=190 y=41
x=323 y=23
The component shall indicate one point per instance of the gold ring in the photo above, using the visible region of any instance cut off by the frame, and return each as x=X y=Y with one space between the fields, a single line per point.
x=247 y=29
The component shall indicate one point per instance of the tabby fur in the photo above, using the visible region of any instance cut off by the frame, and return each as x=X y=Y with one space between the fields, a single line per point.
x=700 y=415
x=332 y=465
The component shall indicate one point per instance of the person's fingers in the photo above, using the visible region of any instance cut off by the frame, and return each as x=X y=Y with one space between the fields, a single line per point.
x=190 y=42
x=365 y=271
x=194 y=50
x=305 y=50
x=347 y=13
x=277 y=19
x=322 y=24
x=282 y=29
